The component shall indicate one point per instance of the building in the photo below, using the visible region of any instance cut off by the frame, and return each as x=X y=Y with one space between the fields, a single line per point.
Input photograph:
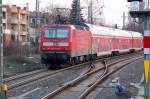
x=6 y=31
x=40 y=18
x=14 y=23
x=43 y=18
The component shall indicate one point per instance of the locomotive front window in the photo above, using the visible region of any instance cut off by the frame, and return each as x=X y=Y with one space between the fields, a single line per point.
x=56 y=33
x=62 y=33
x=49 y=33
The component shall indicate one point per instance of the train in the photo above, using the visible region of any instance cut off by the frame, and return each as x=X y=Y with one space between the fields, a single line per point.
x=71 y=44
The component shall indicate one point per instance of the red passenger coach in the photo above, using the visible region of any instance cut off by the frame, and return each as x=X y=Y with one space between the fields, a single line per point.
x=108 y=41
x=72 y=44
x=137 y=40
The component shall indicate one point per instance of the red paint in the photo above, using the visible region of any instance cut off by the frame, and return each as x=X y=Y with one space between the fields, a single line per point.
x=146 y=41
x=80 y=40
x=51 y=48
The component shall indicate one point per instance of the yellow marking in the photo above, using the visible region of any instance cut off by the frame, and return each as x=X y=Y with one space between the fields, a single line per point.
x=146 y=69
x=142 y=97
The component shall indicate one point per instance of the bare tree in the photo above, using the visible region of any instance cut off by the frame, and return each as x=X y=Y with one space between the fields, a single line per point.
x=95 y=11
x=56 y=12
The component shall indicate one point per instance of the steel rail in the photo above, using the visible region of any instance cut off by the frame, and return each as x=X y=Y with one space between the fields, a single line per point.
x=104 y=77
x=40 y=76
x=81 y=78
x=8 y=79
x=28 y=80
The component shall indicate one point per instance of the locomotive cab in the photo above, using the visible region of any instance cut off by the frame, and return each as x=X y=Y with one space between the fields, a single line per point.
x=55 y=45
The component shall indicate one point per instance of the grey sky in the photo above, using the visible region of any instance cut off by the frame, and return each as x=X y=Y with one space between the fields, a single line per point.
x=113 y=8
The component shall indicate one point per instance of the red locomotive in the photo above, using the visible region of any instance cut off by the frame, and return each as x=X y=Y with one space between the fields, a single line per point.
x=72 y=44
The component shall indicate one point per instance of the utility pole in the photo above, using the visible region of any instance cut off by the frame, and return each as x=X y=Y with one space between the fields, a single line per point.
x=37 y=12
x=89 y=15
x=124 y=17
x=78 y=10
x=2 y=93
x=37 y=24
x=95 y=10
x=1 y=49
x=91 y=11
x=1 y=44
x=28 y=36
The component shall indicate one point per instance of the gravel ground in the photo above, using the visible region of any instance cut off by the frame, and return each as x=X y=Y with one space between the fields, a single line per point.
x=130 y=74
x=39 y=88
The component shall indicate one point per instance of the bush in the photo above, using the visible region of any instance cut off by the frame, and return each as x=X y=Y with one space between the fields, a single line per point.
x=16 y=49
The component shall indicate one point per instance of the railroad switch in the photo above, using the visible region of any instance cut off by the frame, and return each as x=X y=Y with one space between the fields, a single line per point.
x=92 y=66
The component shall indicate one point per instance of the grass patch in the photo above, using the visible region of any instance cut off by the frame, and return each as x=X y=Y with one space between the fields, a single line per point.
x=15 y=65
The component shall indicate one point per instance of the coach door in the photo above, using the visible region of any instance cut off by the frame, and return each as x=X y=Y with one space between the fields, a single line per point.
x=94 y=45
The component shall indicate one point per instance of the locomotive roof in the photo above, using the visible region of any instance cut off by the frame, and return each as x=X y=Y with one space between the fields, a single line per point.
x=79 y=27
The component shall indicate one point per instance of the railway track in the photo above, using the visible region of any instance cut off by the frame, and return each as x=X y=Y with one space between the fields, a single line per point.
x=27 y=78
x=104 y=77
x=99 y=74
x=18 y=76
x=14 y=82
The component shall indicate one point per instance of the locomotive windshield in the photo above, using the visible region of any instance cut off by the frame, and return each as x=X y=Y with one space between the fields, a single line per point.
x=56 y=33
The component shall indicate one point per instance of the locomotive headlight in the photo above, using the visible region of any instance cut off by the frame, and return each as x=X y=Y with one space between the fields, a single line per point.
x=55 y=44
x=62 y=44
x=48 y=43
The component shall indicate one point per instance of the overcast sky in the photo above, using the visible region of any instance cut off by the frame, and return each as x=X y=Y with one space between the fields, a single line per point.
x=113 y=10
